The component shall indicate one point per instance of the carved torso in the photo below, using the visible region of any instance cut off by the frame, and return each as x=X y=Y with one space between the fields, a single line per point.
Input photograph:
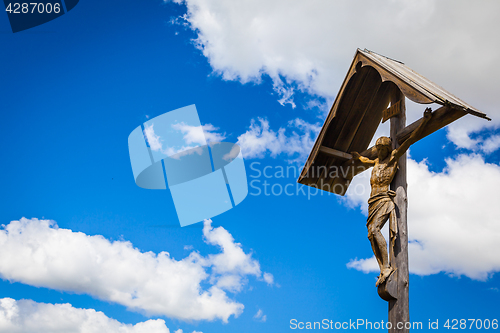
x=382 y=175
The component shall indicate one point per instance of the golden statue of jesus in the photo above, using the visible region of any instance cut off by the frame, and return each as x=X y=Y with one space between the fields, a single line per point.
x=381 y=205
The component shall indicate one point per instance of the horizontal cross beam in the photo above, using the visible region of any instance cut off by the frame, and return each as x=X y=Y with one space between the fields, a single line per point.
x=335 y=153
x=440 y=118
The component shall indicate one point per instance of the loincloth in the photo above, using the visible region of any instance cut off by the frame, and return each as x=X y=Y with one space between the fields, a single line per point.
x=381 y=204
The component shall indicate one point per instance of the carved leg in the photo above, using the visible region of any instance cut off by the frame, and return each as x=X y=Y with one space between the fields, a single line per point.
x=379 y=247
x=375 y=247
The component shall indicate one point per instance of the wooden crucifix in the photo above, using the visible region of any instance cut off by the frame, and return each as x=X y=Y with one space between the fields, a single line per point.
x=374 y=82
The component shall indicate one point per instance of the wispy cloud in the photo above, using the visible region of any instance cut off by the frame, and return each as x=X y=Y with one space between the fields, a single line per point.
x=154 y=141
x=199 y=135
x=193 y=138
x=260 y=316
x=294 y=141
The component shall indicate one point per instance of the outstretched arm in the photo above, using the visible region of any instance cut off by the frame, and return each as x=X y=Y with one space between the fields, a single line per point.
x=365 y=161
x=414 y=137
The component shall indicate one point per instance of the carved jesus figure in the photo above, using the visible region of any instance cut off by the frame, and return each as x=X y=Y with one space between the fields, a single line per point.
x=381 y=205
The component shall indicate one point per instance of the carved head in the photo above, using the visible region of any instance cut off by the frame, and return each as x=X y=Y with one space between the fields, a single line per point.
x=384 y=147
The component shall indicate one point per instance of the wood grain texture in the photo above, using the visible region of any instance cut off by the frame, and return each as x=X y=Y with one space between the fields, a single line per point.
x=335 y=152
x=398 y=248
x=311 y=160
x=371 y=120
x=364 y=101
x=440 y=118
x=388 y=290
x=390 y=112
x=421 y=97
x=356 y=88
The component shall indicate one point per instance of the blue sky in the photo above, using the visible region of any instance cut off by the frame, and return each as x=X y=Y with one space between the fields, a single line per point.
x=263 y=75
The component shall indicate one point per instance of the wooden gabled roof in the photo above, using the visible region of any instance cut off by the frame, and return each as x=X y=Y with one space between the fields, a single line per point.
x=372 y=82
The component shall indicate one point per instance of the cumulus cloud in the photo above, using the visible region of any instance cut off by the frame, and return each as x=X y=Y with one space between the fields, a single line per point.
x=39 y=253
x=295 y=140
x=452 y=227
x=25 y=316
x=308 y=45
x=231 y=265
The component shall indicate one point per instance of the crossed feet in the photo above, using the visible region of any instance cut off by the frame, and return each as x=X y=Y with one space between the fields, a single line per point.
x=384 y=274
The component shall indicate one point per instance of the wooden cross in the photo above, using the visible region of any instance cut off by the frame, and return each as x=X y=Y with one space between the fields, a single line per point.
x=372 y=83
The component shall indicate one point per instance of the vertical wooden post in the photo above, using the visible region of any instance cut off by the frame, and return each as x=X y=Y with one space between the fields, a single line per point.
x=399 y=308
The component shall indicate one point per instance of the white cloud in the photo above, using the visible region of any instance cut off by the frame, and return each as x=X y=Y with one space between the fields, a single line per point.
x=308 y=45
x=199 y=135
x=296 y=140
x=358 y=192
x=154 y=140
x=25 y=316
x=269 y=278
x=38 y=253
x=285 y=92
x=452 y=226
x=260 y=316
x=193 y=136
x=181 y=331
x=491 y=144
x=487 y=143
x=232 y=264
x=459 y=132
x=156 y=143
x=365 y=265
